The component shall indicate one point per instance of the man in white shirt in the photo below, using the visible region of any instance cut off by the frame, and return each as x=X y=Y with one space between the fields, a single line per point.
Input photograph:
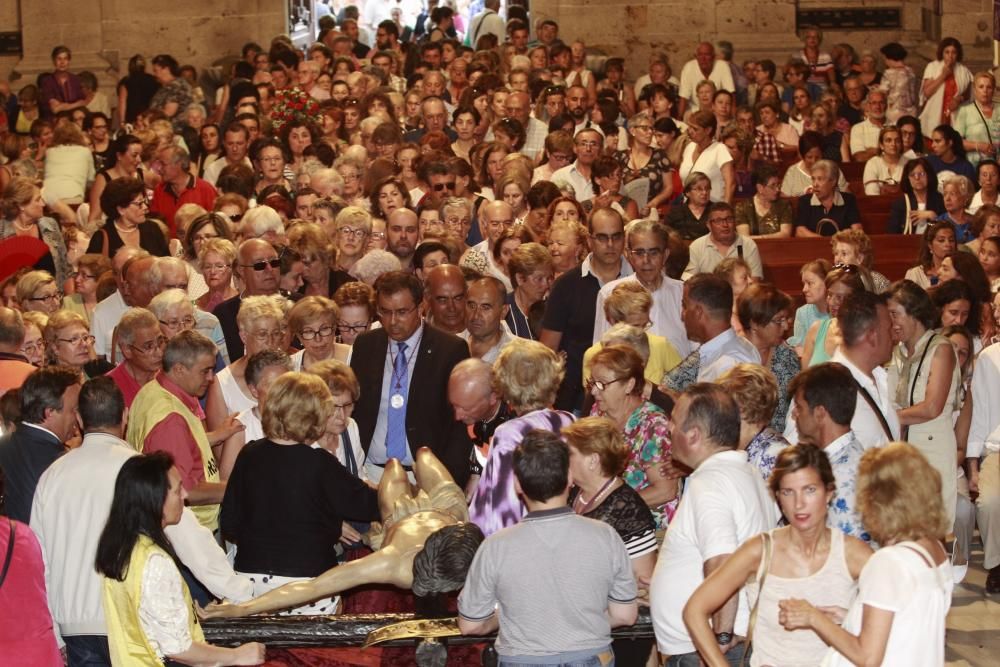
x=707 y=310
x=867 y=346
x=704 y=66
x=71 y=506
x=864 y=135
x=721 y=242
x=109 y=311
x=647 y=252
x=587 y=145
x=518 y=107
x=984 y=473
x=725 y=503
x=235 y=144
x=485 y=308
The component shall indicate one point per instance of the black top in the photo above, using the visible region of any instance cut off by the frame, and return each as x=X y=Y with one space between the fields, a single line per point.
x=227 y=312
x=141 y=89
x=570 y=310
x=842 y=217
x=624 y=510
x=897 y=212
x=24 y=455
x=682 y=220
x=151 y=240
x=284 y=506
x=850 y=114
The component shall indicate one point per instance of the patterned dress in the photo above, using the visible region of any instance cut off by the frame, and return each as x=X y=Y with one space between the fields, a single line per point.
x=647 y=435
x=763 y=451
x=785 y=365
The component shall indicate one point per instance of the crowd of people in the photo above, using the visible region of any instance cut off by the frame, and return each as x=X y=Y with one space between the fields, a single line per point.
x=231 y=318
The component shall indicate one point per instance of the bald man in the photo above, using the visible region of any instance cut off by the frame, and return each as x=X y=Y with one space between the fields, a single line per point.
x=479 y=407
x=259 y=268
x=14 y=367
x=703 y=66
x=445 y=298
x=485 y=310
x=494 y=217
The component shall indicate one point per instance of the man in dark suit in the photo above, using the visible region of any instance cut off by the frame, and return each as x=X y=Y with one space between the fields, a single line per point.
x=403 y=371
x=49 y=399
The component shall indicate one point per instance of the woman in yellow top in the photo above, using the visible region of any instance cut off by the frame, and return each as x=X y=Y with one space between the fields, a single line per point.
x=630 y=303
x=147 y=604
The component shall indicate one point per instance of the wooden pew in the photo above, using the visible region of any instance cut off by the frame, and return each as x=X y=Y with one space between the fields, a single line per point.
x=783 y=258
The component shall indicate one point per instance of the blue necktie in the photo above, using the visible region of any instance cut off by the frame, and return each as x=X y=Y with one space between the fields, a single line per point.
x=395 y=439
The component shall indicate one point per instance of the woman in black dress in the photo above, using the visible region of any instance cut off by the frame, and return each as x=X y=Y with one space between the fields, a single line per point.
x=124 y=203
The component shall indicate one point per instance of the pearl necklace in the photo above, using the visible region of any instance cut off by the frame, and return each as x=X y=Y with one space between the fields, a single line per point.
x=24 y=228
x=125 y=231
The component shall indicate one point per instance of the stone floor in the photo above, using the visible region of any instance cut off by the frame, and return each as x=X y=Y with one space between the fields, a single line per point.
x=973 y=638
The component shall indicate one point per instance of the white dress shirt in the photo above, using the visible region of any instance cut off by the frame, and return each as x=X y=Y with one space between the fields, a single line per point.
x=665 y=315
x=722 y=353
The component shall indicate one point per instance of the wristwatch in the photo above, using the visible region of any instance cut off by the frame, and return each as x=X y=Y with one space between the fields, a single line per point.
x=723 y=638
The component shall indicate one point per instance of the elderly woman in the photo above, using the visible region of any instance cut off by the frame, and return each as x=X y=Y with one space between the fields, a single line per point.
x=33 y=347
x=975 y=123
x=568 y=244
x=125 y=206
x=769 y=115
x=174 y=312
x=342 y=438
x=630 y=303
x=313 y=246
x=23 y=214
x=707 y=156
x=263 y=368
x=527 y=376
x=988 y=178
x=354 y=225
x=852 y=246
x=827 y=210
x=374 y=264
x=313 y=320
x=823 y=336
x=617 y=384
x=690 y=216
x=798 y=177
x=90 y=268
x=606 y=179
x=356 y=301
x=957 y=193
x=884 y=170
x=261 y=322
x=764 y=312
x=531 y=274
x=904 y=591
x=766 y=214
x=806 y=559
x=938 y=243
x=314 y=489
x=270 y=159
x=756 y=391
x=68 y=343
x=598 y=457
x=69 y=169
x=924 y=378
x=640 y=340
x=216 y=260
x=921 y=202
x=38 y=291
x=644 y=161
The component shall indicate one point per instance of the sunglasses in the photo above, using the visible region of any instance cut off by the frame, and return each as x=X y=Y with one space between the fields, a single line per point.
x=438 y=187
x=263 y=264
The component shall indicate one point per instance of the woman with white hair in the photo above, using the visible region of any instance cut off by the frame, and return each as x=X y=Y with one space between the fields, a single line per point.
x=354 y=225
x=374 y=264
x=826 y=210
x=263 y=222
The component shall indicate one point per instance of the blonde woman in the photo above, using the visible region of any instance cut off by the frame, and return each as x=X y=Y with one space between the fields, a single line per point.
x=313 y=320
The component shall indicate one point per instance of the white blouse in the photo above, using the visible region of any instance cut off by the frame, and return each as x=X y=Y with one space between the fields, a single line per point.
x=163 y=611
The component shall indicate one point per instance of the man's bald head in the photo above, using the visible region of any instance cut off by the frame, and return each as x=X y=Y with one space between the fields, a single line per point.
x=470 y=391
x=445 y=296
x=11 y=330
x=518 y=106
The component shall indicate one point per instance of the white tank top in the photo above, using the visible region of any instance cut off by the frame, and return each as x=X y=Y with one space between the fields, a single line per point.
x=831 y=586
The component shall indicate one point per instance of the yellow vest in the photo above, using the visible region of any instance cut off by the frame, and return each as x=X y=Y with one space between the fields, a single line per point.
x=127 y=642
x=152 y=405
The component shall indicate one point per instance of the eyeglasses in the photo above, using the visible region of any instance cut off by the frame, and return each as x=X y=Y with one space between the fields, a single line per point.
x=343 y=407
x=322 y=332
x=356 y=233
x=343 y=328
x=139 y=203
x=397 y=314
x=588 y=144
x=264 y=336
x=210 y=268
x=456 y=223
x=642 y=253
x=609 y=238
x=235 y=217
x=37 y=346
x=151 y=346
x=600 y=385
x=49 y=297
x=378 y=236
x=182 y=323
x=561 y=157
x=438 y=187
x=263 y=264
x=781 y=321
x=76 y=340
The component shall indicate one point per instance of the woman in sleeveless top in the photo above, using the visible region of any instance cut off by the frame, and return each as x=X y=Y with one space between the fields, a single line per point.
x=824 y=335
x=904 y=592
x=924 y=379
x=806 y=559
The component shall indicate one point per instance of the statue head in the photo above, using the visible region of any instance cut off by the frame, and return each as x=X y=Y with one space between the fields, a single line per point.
x=442 y=564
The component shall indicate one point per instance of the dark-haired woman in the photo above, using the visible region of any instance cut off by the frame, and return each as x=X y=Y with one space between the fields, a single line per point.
x=148 y=606
x=947 y=156
x=921 y=202
x=127 y=150
x=924 y=379
x=945 y=84
x=806 y=560
x=125 y=206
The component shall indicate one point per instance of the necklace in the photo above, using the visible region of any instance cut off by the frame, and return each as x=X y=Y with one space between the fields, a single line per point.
x=24 y=228
x=582 y=508
x=125 y=231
